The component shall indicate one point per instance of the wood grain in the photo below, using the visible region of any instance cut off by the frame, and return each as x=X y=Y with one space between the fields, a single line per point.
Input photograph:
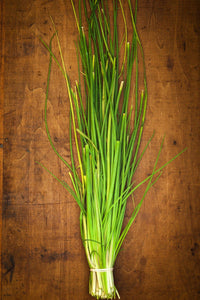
x=42 y=254
x=1 y=114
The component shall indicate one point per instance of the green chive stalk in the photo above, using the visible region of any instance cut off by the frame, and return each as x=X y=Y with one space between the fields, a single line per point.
x=107 y=133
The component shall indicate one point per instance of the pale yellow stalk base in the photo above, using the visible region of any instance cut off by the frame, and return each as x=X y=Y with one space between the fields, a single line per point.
x=101 y=285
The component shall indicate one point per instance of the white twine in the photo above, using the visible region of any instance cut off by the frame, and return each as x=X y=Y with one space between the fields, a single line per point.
x=101 y=270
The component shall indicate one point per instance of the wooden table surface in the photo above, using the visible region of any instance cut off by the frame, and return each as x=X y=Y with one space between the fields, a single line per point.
x=41 y=252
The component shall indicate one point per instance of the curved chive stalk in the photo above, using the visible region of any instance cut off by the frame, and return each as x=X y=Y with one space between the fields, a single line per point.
x=109 y=141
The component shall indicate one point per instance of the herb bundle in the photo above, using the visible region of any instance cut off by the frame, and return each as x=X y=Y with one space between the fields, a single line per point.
x=107 y=131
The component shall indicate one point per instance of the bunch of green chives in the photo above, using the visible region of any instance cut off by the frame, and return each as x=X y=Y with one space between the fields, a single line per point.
x=107 y=134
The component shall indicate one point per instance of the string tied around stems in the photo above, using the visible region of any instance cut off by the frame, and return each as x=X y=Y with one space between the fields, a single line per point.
x=101 y=270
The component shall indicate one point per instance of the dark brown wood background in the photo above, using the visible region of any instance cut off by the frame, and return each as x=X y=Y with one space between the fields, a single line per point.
x=41 y=254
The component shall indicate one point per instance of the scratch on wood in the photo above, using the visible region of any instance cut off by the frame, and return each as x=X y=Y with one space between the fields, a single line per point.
x=11 y=268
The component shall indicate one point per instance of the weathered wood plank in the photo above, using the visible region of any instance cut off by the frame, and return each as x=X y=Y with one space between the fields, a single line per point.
x=2 y=39
x=42 y=254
